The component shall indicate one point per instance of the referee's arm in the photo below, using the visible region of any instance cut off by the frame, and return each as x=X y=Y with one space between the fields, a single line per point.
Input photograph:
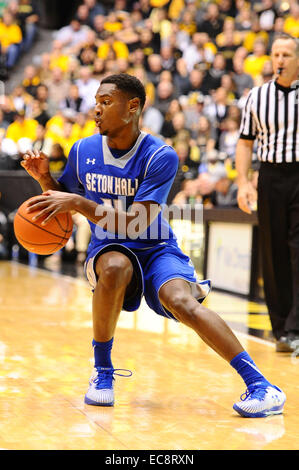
x=247 y=194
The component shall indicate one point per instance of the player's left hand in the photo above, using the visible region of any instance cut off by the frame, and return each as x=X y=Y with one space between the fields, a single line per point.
x=51 y=203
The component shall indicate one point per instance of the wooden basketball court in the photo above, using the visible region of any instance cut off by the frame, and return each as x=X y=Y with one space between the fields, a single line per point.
x=179 y=397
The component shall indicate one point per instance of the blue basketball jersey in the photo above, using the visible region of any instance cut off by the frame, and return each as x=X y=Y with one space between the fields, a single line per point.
x=145 y=173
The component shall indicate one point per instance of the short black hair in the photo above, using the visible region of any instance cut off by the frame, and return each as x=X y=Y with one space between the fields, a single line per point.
x=129 y=84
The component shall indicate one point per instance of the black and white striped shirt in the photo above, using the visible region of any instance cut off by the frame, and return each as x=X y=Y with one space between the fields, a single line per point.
x=271 y=115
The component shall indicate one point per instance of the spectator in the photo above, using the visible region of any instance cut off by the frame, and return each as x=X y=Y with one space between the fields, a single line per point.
x=10 y=39
x=58 y=58
x=189 y=193
x=227 y=9
x=196 y=78
x=254 y=63
x=112 y=48
x=87 y=86
x=212 y=78
x=227 y=82
x=152 y=118
x=31 y=80
x=204 y=135
x=99 y=27
x=267 y=72
x=241 y=79
x=165 y=94
x=22 y=127
x=181 y=77
x=213 y=166
x=225 y=193
x=148 y=43
x=88 y=51
x=84 y=125
x=68 y=136
x=128 y=34
x=254 y=34
x=73 y=100
x=57 y=158
x=174 y=112
x=212 y=23
x=155 y=68
x=94 y=9
x=82 y=14
x=41 y=142
x=44 y=70
x=267 y=14
x=7 y=109
x=229 y=137
x=201 y=50
x=141 y=74
x=20 y=99
x=192 y=112
x=72 y=35
x=58 y=87
x=28 y=17
x=168 y=60
x=291 y=24
x=37 y=112
x=217 y=110
x=243 y=18
x=46 y=103
x=228 y=42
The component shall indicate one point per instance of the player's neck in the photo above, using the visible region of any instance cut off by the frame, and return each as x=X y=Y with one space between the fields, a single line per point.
x=123 y=140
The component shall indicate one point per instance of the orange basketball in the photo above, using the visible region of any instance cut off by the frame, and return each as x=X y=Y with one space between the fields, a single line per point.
x=42 y=240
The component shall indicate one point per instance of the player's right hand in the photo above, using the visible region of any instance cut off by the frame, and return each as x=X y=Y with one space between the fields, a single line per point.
x=247 y=197
x=36 y=164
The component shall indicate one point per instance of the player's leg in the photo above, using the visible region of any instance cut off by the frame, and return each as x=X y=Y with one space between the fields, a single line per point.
x=262 y=398
x=114 y=273
x=176 y=297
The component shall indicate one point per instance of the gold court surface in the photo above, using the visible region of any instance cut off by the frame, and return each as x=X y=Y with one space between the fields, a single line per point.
x=179 y=397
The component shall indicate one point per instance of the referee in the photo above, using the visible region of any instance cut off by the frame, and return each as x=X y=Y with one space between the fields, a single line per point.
x=271 y=117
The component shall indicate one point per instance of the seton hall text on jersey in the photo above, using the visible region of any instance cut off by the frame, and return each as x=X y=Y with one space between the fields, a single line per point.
x=107 y=184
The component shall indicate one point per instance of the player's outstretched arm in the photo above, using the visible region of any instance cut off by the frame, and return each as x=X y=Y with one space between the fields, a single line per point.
x=37 y=165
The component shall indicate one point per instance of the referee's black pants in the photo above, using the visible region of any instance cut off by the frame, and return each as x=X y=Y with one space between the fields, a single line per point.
x=278 y=214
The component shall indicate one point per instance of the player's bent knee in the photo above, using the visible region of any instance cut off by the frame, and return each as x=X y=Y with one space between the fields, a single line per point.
x=182 y=305
x=114 y=271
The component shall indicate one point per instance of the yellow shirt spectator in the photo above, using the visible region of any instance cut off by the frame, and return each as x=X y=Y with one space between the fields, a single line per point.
x=175 y=9
x=253 y=65
x=61 y=62
x=54 y=127
x=66 y=143
x=113 y=27
x=22 y=127
x=9 y=34
x=251 y=37
x=291 y=26
x=87 y=130
x=120 y=49
x=62 y=131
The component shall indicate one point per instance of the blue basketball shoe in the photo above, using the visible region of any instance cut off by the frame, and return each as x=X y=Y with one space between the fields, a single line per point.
x=260 y=400
x=101 y=386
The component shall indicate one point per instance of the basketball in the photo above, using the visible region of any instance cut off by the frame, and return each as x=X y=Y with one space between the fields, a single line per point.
x=42 y=240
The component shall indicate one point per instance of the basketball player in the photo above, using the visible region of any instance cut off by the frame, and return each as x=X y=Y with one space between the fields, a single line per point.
x=118 y=165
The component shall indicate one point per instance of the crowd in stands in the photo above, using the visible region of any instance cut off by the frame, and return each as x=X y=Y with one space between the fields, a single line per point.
x=198 y=59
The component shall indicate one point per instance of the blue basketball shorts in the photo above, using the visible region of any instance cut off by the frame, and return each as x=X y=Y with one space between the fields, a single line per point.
x=153 y=267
